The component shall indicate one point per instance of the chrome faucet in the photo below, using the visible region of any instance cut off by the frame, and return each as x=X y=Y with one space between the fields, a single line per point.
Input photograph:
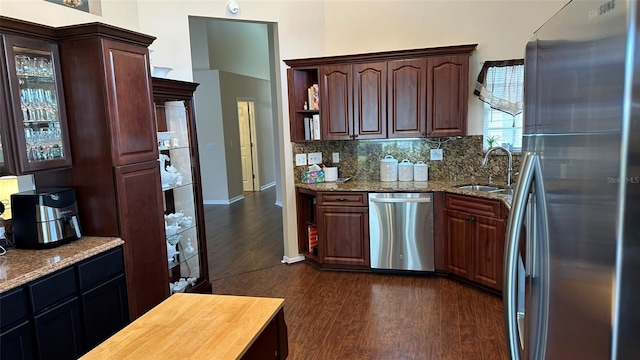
x=509 y=169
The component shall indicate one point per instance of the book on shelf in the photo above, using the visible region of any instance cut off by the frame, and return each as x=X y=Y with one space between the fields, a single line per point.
x=313 y=237
x=307 y=128
x=315 y=121
x=313 y=97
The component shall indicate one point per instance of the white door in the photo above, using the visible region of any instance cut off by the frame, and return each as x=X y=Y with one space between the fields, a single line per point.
x=248 y=148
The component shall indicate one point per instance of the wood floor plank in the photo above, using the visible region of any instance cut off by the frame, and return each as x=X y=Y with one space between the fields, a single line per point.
x=345 y=315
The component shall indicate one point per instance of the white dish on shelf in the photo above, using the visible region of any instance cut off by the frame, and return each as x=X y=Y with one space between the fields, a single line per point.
x=164 y=139
x=174 y=239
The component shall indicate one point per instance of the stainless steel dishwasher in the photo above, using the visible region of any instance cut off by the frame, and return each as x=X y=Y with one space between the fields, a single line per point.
x=401 y=231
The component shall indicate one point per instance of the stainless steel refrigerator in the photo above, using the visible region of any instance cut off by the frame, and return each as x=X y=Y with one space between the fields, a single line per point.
x=572 y=257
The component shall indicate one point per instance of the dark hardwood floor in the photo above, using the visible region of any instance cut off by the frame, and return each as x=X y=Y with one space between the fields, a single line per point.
x=348 y=315
x=244 y=236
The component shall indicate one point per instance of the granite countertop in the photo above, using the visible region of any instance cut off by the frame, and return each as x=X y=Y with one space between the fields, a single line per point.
x=19 y=266
x=408 y=186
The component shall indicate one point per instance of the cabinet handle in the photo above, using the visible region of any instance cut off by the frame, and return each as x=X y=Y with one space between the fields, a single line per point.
x=355 y=136
x=468 y=218
x=341 y=199
x=473 y=218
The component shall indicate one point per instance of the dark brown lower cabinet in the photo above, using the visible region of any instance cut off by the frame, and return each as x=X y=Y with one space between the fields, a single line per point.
x=140 y=207
x=474 y=234
x=343 y=228
x=272 y=343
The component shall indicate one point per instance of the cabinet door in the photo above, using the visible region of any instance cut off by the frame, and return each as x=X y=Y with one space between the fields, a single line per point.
x=59 y=332
x=344 y=235
x=130 y=101
x=336 y=112
x=407 y=91
x=142 y=229
x=488 y=251
x=17 y=343
x=39 y=121
x=182 y=194
x=369 y=100
x=105 y=310
x=448 y=81
x=458 y=248
x=7 y=165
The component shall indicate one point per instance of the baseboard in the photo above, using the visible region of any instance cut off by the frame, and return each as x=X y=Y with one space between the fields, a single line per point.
x=266 y=186
x=237 y=198
x=223 y=202
x=291 y=260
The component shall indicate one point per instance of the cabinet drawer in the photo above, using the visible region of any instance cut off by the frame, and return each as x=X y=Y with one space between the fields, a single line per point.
x=53 y=289
x=343 y=198
x=473 y=205
x=102 y=268
x=14 y=307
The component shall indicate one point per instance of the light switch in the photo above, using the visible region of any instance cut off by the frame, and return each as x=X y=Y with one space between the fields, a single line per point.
x=301 y=159
x=436 y=154
x=336 y=157
x=314 y=158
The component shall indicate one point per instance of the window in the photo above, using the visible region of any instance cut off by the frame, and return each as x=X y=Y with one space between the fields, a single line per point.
x=501 y=86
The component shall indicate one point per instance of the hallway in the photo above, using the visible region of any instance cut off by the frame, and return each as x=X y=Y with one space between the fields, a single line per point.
x=244 y=236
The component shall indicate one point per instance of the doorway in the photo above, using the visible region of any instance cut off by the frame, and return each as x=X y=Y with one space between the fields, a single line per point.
x=248 y=145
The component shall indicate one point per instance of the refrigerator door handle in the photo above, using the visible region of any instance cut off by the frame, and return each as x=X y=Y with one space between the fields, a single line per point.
x=516 y=220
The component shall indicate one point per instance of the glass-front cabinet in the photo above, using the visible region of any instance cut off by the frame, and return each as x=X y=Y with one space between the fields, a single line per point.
x=35 y=135
x=182 y=194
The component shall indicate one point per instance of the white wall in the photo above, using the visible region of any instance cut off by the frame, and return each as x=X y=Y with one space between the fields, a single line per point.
x=121 y=13
x=239 y=47
x=213 y=164
x=300 y=29
x=234 y=87
x=308 y=28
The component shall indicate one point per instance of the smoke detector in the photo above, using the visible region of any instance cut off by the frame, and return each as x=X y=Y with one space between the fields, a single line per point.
x=233 y=8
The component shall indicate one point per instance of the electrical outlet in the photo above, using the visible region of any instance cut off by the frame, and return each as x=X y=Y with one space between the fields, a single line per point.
x=314 y=158
x=336 y=157
x=436 y=154
x=301 y=159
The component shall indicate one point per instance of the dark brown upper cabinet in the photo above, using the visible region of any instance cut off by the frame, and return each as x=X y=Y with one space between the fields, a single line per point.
x=447 y=89
x=369 y=100
x=336 y=102
x=407 y=95
x=394 y=94
x=34 y=131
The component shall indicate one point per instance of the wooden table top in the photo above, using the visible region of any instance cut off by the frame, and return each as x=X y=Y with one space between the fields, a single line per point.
x=192 y=326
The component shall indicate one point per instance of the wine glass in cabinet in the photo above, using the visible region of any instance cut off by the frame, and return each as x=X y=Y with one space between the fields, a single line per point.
x=181 y=187
x=36 y=136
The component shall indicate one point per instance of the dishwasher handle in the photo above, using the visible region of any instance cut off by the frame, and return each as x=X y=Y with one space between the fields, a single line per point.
x=400 y=200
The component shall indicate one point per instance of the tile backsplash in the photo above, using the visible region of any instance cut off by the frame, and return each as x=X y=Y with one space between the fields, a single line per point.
x=462 y=158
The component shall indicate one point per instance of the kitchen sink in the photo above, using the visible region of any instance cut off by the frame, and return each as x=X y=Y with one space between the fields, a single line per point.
x=479 y=188
x=502 y=191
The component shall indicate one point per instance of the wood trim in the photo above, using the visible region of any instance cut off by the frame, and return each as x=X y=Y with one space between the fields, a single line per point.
x=343 y=198
x=173 y=89
x=95 y=29
x=473 y=205
x=26 y=28
x=385 y=55
x=438 y=231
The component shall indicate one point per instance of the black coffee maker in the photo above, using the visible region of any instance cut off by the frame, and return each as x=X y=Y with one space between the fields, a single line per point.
x=44 y=218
